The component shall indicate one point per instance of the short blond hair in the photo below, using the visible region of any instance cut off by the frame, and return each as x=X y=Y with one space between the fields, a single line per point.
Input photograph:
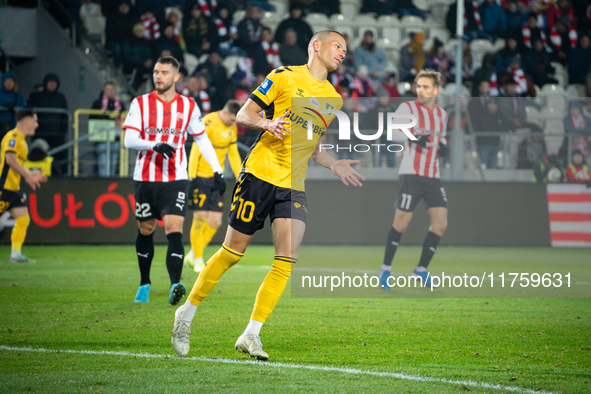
x=428 y=73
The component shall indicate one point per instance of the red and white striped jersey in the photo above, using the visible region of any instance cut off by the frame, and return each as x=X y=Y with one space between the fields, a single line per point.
x=417 y=160
x=159 y=121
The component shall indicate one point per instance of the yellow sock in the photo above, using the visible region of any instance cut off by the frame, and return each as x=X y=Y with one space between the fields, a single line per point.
x=208 y=233
x=197 y=236
x=272 y=287
x=19 y=232
x=216 y=266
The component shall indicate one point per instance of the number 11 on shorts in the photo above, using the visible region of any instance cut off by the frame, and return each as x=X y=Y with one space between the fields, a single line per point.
x=406 y=199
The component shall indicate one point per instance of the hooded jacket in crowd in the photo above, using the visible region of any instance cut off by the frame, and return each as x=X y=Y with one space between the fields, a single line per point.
x=53 y=127
x=10 y=99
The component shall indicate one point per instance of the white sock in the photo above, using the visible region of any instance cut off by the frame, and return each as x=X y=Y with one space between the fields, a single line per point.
x=385 y=267
x=15 y=253
x=190 y=255
x=187 y=311
x=254 y=327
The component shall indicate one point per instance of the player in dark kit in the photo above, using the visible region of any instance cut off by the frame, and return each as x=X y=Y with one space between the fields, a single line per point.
x=157 y=126
x=419 y=175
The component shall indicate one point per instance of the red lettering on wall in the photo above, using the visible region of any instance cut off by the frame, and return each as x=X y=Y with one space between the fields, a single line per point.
x=117 y=199
x=70 y=212
x=57 y=211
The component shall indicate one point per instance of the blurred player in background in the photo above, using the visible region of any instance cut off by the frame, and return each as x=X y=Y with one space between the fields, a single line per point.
x=419 y=175
x=12 y=199
x=265 y=186
x=157 y=125
x=205 y=201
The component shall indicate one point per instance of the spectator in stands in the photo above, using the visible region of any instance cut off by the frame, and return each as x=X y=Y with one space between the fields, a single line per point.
x=155 y=7
x=537 y=64
x=578 y=128
x=327 y=7
x=513 y=108
x=118 y=29
x=563 y=37
x=199 y=32
x=472 y=21
x=297 y=24
x=406 y=7
x=168 y=41
x=388 y=85
x=137 y=56
x=370 y=56
x=339 y=78
x=469 y=61
x=530 y=31
x=491 y=120
x=9 y=99
x=217 y=75
x=494 y=21
x=290 y=53
x=439 y=61
x=579 y=62
x=237 y=87
x=38 y=160
x=543 y=165
x=503 y=57
x=362 y=84
x=250 y=31
x=108 y=101
x=412 y=57
x=151 y=26
x=379 y=7
x=558 y=10
x=518 y=75
x=53 y=127
x=535 y=11
x=488 y=73
x=514 y=19
x=271 y=48
x=197 y=90
x=227 y=33
x=174 y=18
x=578 y=171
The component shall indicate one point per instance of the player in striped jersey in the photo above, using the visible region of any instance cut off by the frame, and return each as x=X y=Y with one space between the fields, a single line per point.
x=157 y=125
x=419 y=175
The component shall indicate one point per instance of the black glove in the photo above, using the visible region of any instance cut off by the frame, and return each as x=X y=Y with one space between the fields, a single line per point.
x=443 y=150
x=164 y=149
x=423 y=140
x=219 y=182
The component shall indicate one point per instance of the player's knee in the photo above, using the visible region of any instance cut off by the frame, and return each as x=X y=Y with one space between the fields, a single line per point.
x=439 y=226
x=214 y=223
x=147 y=228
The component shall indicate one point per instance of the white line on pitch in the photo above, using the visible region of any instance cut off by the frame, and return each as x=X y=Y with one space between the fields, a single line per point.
x=351 y=371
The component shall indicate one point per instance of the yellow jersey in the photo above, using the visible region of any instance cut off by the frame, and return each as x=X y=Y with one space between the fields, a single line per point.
x=223 y=138
x=284 y=162
x=13 y=141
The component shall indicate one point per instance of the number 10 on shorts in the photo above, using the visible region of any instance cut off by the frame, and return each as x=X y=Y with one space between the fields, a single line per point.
x=245 y=210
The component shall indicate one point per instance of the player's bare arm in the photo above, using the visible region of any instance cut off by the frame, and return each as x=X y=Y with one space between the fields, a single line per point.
x=33 y=179
x=341 y=168
x=249 y=117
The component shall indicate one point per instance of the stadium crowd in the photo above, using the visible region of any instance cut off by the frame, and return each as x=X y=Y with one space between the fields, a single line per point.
x=538 y=37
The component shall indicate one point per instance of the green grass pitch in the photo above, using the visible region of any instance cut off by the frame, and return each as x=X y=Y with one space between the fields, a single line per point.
x=80 y=298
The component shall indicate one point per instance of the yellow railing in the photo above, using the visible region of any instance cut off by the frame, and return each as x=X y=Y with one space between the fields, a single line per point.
x=123 y=153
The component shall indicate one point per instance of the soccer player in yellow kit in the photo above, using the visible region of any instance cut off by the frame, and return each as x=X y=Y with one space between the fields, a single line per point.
x=265 y=186
x=12 y=199
x=205 y=201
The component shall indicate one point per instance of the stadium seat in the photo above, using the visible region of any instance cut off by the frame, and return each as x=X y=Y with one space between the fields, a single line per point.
x=355 y=42
x=533 y=115
x=438 y=12
x=365 y=22
x=280 y=6
x=441 y=33
x=231 y=64
x=272 y=18
x=499 y=44
x=403 y=87
x=316 y=18
x=349 y=11
x=191 y=62
x=338 y=20
x=203 y=58
x=412 y=23
x=93 y=21
x=480 y=48
x=391 y=67
x=450 y=45
x=238 y=16
x=575 y=91
x=390 y=48
x=560 y=74
x=388 y=21
x=552 y=90
x=394 y=34
x=422 y=4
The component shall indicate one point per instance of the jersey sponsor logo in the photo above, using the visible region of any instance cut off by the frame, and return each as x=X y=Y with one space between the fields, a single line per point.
x=166 y=130
x=12 y=143
x=315 y=102
x=300 y=92
x=265 y=86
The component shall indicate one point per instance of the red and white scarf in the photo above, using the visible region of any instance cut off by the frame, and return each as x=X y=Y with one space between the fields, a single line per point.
x=203 y=98
x=476 y=16
x=494 y=87
x=272 y=52
x=520 y=81
x=116 y=104
x=222 y=30
x=556 y=38
x=207 y=11
x=526 y=32
x=151 y=28
x=578 y=123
